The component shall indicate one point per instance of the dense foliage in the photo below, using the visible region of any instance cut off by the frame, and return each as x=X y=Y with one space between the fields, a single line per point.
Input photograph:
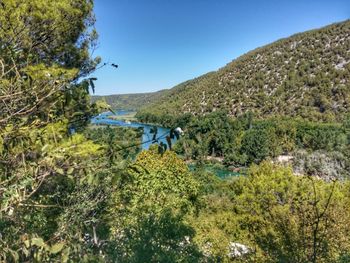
x=45 y=170
x=130 y=101
x=304 y=75
x=247 y=140
x=149 y=205
x=279 y=216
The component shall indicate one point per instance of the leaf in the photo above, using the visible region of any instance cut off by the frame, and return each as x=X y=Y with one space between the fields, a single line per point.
x=68 y=98
x=38 y=241
x=44 y=147
x=154 y=130
x=172 y=134
x=15 y=255
x=168 y=140
x=65 y=255
x=110 y=109
x=56 y=248
x=26 y=243
x=70 y=170
x=91 y=179
x=92 y=85
x=78 y=113
x=86 y=86
x=25 y=251
x=59 y=170
x=162 y=147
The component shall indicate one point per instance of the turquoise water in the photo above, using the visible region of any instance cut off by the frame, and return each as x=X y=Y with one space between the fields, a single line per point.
x=102 y=119
x=221 y=172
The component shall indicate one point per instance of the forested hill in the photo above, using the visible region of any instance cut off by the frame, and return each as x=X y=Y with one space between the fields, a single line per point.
x=307 y=74
x=130 y=101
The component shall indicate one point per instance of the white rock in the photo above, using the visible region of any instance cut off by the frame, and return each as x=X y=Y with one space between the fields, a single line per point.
x=284 y=158
x=238 y=250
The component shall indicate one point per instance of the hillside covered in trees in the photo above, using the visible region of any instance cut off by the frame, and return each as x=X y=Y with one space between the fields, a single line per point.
x=304 y=75
x=133 y=101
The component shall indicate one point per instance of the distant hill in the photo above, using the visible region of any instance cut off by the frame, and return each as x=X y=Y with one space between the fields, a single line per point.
x=130 y=101
x=307 y=75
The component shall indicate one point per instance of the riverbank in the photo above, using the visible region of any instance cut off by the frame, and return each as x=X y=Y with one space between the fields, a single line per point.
x=126 y=116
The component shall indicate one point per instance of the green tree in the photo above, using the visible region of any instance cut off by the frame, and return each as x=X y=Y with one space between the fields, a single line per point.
x=146 y=215
x=44 y=170
x=255 y=144
x=294 y=219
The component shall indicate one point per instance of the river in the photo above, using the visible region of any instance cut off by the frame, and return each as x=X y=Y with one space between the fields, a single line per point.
x=103 y=119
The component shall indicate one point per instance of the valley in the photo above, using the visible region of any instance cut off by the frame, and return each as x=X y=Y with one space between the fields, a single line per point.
x=249 y=163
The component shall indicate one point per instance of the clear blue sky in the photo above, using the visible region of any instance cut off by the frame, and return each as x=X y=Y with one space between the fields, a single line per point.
x=161 y=43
